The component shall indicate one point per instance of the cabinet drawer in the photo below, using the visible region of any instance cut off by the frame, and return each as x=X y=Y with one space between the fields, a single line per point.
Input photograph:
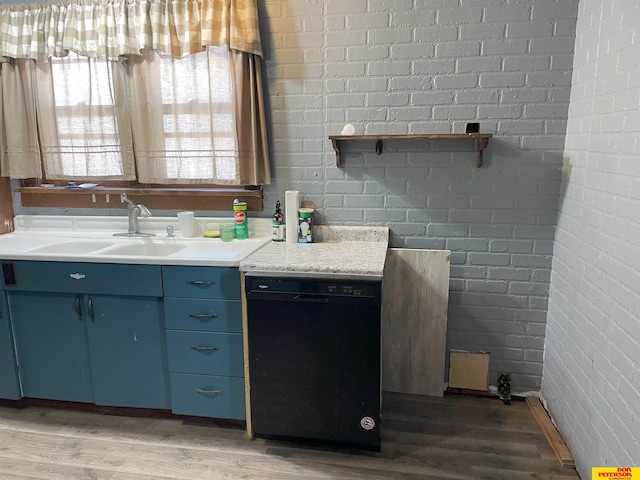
x=79 y=277
x=203 y=315
x=208 y=396
x=204 y=352
x=201 y=282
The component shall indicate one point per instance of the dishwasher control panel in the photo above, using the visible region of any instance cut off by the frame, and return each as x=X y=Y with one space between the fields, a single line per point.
x=343 y=288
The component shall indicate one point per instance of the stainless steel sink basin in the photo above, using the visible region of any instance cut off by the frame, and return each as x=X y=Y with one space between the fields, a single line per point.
x=79 y=247
x=146 y=249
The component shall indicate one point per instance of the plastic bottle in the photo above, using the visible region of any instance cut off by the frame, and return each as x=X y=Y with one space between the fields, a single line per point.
x=240 y=219
x=277 y=230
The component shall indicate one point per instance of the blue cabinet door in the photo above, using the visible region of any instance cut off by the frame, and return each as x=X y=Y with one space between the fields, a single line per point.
x=128 y=355
x=9 y=385
x=52 y=345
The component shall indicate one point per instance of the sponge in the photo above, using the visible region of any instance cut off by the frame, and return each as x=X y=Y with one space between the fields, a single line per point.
x=211 y=233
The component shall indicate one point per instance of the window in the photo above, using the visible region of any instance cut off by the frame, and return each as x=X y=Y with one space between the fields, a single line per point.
x=79 y=123
x=152 y=119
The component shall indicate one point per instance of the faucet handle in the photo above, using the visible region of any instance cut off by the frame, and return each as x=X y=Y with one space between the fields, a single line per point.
x=169 y=231
x=124 y=198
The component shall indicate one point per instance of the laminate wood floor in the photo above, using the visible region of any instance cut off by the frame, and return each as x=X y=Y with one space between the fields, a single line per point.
x=456 y=437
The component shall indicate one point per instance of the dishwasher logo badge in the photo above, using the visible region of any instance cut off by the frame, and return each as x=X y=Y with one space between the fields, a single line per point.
x=262 y=286
x=367 y=423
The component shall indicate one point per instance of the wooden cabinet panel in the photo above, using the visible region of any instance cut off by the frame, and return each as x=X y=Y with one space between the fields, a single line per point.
x=6 y=206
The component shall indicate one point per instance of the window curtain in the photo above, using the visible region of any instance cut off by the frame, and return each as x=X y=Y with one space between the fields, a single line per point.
x=84 y=126
x=19 y=145
x=116 y=28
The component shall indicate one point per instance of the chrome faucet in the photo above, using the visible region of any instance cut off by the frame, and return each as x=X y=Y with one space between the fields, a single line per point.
x=135 y=211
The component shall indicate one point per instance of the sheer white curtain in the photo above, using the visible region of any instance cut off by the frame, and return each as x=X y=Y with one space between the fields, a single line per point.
x=183 y=115
x=84 y=126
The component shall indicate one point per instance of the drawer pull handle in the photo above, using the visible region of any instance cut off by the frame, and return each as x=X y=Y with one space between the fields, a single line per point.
x=78 y=308
x=204 y=349
x=208 y=392
x=200 y=316
x=201 y=282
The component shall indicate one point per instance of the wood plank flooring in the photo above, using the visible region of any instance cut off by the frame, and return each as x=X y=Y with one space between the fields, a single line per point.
x=455 y=437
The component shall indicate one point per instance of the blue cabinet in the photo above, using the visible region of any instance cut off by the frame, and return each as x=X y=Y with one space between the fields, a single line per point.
x=102 y=333
x=9 y=385
x=52 y=346
x=126 y=347
x=203 y=314
x=106 y=347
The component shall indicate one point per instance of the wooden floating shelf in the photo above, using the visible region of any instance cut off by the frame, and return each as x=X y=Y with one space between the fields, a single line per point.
x=482 y=140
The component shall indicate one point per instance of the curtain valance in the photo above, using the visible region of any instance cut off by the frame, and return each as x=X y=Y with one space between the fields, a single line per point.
x=110 y=28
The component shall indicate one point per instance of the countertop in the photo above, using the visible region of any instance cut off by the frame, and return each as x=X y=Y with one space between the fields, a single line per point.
x=350 y=252
x=90 y=239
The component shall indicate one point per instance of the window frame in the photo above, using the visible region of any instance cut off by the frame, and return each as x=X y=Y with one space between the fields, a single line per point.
x=44 y=192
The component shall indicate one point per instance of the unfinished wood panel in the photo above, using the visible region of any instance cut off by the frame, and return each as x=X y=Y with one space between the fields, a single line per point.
x=558 y=446
x=6 y=206
x=245 y=348
x=414 y=321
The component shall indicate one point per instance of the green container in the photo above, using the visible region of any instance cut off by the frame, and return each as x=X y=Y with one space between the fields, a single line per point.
x=305 y=225
x=240 y=219
x=227 y=232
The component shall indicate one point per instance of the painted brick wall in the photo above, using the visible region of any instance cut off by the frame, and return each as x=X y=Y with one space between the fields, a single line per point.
x=591 y=377
x=431 y=66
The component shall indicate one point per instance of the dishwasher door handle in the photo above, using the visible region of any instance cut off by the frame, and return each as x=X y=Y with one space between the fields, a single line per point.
x=311 y=299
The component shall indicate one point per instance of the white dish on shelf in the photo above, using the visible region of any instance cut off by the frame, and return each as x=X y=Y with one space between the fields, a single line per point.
x=88 y=185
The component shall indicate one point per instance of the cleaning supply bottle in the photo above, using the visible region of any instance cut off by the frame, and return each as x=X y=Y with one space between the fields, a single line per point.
x=277 y=230
x=240 y=219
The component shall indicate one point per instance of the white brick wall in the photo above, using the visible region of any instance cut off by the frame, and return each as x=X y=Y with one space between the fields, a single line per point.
x=591 y=377
x=401 y=66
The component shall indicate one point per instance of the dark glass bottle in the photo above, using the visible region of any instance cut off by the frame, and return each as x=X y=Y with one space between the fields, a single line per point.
x=277 y=230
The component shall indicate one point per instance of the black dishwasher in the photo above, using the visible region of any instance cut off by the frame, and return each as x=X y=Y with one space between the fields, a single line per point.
x=314 y=359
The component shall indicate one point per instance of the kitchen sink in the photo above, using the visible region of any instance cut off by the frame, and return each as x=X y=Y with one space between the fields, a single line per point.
x=146 y=249
x=79 y=247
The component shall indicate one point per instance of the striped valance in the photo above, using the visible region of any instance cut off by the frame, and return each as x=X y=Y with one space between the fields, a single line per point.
x=110 y=28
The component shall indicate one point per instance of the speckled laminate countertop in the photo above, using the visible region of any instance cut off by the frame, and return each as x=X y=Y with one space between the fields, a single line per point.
x=351 y=252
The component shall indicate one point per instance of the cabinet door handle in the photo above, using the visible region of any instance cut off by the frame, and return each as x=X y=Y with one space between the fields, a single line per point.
x=204 y=349
x=208 y=392
x=90 y=309
x=78 y=308
x=201 y=282
x=200 y=316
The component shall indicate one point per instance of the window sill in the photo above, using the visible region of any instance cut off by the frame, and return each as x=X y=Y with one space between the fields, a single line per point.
x=161 y=199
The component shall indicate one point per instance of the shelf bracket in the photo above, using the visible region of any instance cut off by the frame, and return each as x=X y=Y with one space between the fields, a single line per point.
x=336 y=147
x=481 y=145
